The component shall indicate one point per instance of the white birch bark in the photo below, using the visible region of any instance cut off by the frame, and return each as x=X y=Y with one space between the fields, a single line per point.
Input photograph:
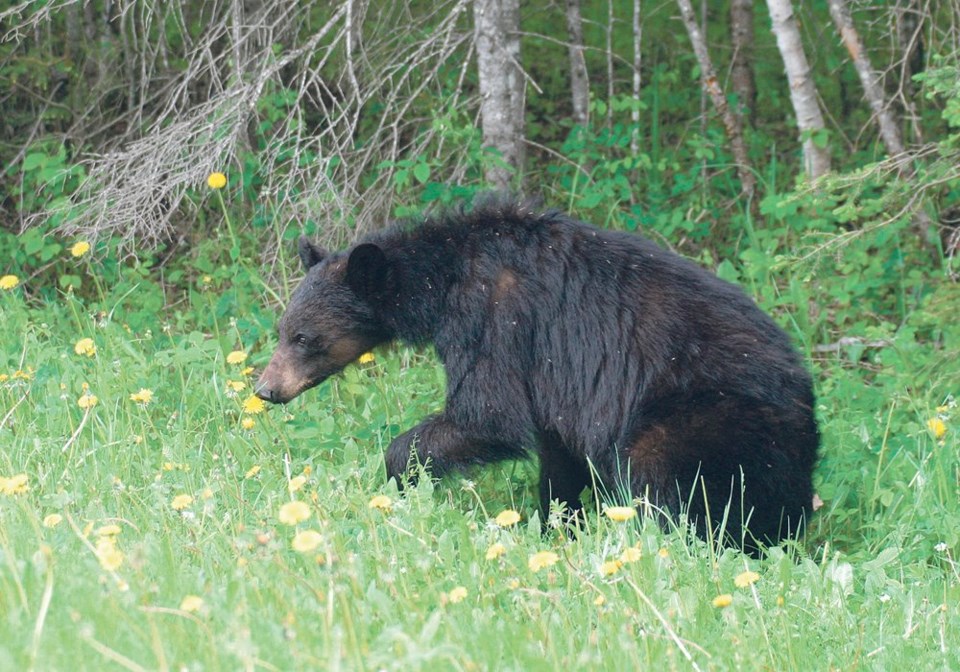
x=803 y=94
x=637 y=61
x=610 y=56
x=579 y=82
x=501 y=86
x=711 y=85
x=869 y=78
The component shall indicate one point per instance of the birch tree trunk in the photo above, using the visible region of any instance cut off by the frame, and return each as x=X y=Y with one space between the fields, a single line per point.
x=803 y=94
x=610 y=56
x=497 y=24
x=741 y=67
x=711 y=85
x=869 y=78
x=637 y=61
x=579 y=83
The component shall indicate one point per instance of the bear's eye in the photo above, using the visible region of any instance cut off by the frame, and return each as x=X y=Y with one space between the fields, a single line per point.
x=300 y=339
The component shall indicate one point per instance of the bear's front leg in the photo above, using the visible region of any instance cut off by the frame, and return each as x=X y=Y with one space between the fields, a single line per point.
x=442 y=447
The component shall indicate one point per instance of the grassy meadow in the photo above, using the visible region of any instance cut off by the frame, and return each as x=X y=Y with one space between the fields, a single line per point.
x=153 y=515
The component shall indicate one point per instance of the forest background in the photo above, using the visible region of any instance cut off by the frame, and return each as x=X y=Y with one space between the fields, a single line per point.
x=153 y=515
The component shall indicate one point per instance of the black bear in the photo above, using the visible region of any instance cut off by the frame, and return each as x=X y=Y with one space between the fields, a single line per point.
x=596 y=350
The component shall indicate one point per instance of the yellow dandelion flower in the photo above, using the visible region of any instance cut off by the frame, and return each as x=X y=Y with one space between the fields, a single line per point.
x=631 y=554
x=20 y=374
x=237 y=357
x=252 y=471
x=85 y=346
x=620 y=514
x=110 y=530
x=663 y=553
x=721 y=601
x=15 y=485
x=108 y=554
x=937 y=426
x=507 y=518
x=495 y=551
x=80 y=248
x=253 y=405
x=8 y=282
x=458 y=594
x=236 y=385
x=610 y=567
x=381 y=502
x=144 y=396
x=248 y=423
x=296 y=483
x=745 y=579
x=542 y=560
x=180 y=502
x=306 y=541
x=246 y=371
x=366 y=358
x=52 y=520
x=206 y=494
x=87 y=401
x=294 y=513
x=191 y=603
x=599 y=600
x=216 y=180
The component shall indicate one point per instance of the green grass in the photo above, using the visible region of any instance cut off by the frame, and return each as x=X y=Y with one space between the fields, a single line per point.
x=874 y=585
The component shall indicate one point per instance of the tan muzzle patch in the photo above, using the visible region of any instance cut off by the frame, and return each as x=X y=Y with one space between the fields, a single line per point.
x=280 y=381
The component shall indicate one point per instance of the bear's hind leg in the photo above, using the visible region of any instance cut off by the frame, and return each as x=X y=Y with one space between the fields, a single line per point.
x=729 y=462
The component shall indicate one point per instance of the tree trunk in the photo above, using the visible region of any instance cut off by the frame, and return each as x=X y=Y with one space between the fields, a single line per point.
x=712 y=86
x=803 y=94
x=869 y=78
x=579 y=83
x=501 y=86
x=637 y=60
x=741 y=68
x=910 y=20
x=610 y=57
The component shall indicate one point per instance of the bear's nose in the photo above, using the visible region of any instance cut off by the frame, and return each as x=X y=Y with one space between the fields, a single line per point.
x=266 y=393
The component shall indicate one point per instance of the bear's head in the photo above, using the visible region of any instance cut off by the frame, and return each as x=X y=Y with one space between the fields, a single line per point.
x=330 y=321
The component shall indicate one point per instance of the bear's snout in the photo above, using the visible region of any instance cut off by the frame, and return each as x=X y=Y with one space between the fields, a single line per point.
x=280 y=382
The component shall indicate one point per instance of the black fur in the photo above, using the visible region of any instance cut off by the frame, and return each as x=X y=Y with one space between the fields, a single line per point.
x=589 y=348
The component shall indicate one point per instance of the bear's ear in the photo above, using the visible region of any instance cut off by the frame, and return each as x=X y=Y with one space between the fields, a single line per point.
x=368 y=270
x=310 y=254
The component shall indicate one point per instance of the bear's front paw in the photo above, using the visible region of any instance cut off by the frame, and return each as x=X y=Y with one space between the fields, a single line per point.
x=401 y=460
